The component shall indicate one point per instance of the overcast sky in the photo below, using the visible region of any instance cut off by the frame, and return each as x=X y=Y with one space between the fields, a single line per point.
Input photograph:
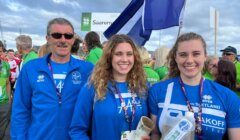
x=31 y=16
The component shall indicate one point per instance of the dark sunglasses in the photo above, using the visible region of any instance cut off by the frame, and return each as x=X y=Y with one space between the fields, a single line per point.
x=227 y=54
x=59 y=35
x=213 y=65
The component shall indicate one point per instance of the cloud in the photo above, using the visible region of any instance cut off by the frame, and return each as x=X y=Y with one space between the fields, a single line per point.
x=67 y=2
x=16 y=7
x=31 y=18
x=196 y=19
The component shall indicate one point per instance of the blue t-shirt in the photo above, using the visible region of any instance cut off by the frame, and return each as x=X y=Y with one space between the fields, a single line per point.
x=105 y=118
x=220 y=105
x=59 y=74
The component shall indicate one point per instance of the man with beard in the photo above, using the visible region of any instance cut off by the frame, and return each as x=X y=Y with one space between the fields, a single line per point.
x=47 y=88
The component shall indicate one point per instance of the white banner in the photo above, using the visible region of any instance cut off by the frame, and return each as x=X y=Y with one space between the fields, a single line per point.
x=99 y=22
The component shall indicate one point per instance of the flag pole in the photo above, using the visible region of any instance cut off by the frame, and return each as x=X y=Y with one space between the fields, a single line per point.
x=215 y=33
x=159 y=42
x=181 y=20
x=179 y=29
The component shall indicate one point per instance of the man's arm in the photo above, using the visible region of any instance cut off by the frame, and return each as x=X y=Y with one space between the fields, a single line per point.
x=82 y=115
x=21 y=108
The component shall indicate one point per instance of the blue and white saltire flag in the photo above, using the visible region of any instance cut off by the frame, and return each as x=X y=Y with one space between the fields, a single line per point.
x=161 y=14
x=130 y=22
x=140 y=17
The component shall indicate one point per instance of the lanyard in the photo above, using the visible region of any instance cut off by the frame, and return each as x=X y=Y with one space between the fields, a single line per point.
x=59 y=95
x=198 y=117
x=124 y=107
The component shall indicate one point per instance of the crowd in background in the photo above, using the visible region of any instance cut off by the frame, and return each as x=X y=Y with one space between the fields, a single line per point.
x=89 y=72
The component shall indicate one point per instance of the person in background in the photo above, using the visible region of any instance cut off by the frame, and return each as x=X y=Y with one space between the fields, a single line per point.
x=14 y=63
x=114 y=99
x=5 y=97
x=230 y=53
x=226 y=74
x=48 y=87
x=83 y=51
x=188 y=92
x=94 y=47
x=24 y=47
x=160 y=63
x=18 y=55
x=3 y=56
x=211 y=67
x=104 y=44
x=75 y=47
x=152 y=76
x=43 y=50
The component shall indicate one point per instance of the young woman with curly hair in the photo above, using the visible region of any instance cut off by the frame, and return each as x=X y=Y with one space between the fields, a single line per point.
x=114 y=99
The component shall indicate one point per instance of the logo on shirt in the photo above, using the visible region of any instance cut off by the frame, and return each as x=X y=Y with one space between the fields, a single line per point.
x=207 y=99
x=208 y=102
x=76 y=77
x=215 y=125
x=127 y=97
x=40 y=78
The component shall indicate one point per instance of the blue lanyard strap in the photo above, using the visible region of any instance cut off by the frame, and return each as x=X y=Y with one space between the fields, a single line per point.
x=124 y=107
x=198 y=117
x=59 y=95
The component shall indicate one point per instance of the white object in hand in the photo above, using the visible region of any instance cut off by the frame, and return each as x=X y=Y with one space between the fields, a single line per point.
x=145 y=126
x=182 y=128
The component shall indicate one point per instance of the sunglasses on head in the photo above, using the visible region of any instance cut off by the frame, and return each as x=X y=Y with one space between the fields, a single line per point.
x=227 y=54
x=59 y=35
